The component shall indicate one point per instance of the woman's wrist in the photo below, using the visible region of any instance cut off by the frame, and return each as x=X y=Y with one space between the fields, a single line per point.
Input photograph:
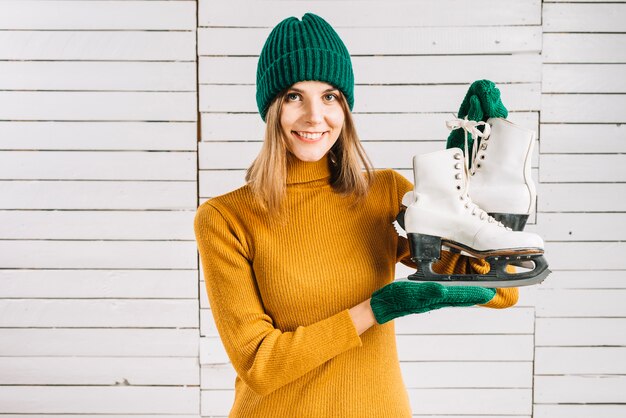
x=362 y=316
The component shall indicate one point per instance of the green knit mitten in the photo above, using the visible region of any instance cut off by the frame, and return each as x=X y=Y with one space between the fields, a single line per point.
x=404 y=297
x=481 y=102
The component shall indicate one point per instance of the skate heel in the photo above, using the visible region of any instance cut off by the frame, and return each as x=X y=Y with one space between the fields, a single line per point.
x=424 y=248
x=514 y=221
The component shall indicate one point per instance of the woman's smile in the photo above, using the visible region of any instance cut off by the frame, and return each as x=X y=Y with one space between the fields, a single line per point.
x=309 y=136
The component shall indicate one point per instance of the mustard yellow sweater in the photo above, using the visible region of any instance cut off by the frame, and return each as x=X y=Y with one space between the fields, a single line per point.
x=280 y=293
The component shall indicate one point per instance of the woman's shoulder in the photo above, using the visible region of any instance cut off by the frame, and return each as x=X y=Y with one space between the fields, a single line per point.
x=235 y=201
x=388 y=178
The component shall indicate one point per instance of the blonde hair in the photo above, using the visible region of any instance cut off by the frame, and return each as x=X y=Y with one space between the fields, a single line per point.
x=267 y=176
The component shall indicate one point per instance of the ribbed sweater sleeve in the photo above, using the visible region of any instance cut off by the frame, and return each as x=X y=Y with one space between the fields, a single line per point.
x=265 y=358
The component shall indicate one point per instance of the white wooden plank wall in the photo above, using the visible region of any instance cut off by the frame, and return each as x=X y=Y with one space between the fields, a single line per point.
x=413 y=63
x=98 y=186
x=580 y=340
x=101 y=104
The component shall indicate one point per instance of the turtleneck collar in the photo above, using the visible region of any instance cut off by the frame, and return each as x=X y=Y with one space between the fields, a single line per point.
x=303 y=172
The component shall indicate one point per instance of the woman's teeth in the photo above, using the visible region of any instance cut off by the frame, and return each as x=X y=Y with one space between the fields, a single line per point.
x=308 y=135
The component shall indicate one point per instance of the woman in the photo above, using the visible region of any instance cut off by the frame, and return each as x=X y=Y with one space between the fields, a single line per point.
x=298 y=262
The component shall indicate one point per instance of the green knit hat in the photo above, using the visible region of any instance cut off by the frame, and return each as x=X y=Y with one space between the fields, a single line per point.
x=300 y=50
x=481 y=102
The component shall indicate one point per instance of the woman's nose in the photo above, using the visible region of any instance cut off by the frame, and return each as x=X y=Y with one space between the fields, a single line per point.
x=314 y=112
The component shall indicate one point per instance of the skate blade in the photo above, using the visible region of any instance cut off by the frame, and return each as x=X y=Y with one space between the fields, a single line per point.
x=498 y=283
x=425 y=250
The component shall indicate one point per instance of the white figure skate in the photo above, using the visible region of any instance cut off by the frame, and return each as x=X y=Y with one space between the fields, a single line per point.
x=501 y=181
x=440 y=213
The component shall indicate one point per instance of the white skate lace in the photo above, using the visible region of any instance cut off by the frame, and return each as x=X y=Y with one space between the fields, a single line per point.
x=471 y=127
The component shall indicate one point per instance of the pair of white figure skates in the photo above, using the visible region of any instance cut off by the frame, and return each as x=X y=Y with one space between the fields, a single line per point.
x=441 y=214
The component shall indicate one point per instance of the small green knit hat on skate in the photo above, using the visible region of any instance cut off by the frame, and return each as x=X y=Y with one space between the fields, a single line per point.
x=481 y=102
x=301 y=50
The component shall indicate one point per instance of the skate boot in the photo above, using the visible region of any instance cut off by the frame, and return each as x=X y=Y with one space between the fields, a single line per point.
x=440 y=213
x=501 y=182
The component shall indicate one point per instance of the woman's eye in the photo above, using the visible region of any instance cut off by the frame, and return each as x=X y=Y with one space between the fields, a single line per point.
x=292 y=97
x=330 y=97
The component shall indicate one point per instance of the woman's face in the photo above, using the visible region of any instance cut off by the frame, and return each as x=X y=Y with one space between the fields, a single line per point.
x=311 y=119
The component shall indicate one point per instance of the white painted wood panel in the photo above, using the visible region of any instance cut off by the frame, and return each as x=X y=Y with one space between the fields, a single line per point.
x=471 y=401
x=109 y=225
x=370 y=126
x=583 y=1
x=476 y=347
x=583 y=168
x=447 y=98
x=584 y=48
x=587 y=255
x=212 y=351
x=114 y=76
x=599 y=279
x=581 y=197
x=584 y=78
x=583 y=138
x=587 y=108
x=472 y=321
x=98 y=254
x=572 y=303
x=93 y=15
x=580 y=332
x=388 y=41
x=580 y=389
x=144 y=416
x=100 y=195
x=217 y=182
x=98 y=45
x=579 y=411
x=567 y=360
x=581 y=226
x=397 y=13
x=410 y=69
x=28 y=283
x=473 y=416
x=220 y=376
x=90 y=106
x=584 y=18
x=227 y=155
x=99 y=371
x=145 y=136
x=109 y=342
x=469 y=375
x=126 y=313
x=92 y=76
x=207 y=326
x=100 y=399
x=100 y=165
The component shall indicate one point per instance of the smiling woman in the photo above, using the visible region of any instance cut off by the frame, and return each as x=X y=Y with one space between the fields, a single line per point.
x=299 y=263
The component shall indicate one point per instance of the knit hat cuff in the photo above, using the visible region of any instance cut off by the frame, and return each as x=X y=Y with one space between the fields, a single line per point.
x=301 y=65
